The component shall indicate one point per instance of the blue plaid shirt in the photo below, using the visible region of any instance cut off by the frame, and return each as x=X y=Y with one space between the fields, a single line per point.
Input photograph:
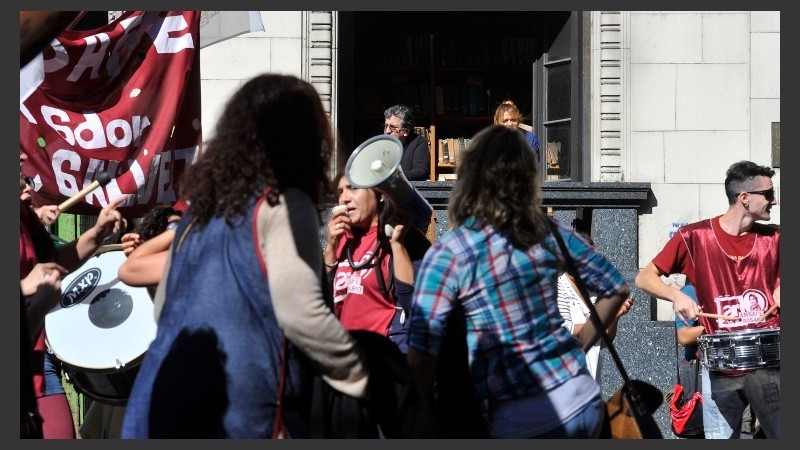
x=516 y=345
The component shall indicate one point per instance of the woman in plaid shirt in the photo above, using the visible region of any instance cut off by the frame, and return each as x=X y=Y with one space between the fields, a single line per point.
x=500 y=263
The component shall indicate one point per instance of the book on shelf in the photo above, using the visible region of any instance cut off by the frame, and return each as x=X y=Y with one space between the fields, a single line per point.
x=425 y=97
x=408 y=45
x=463 y=106
x=452 y=145
x=439 y=91
x=462 y=145
x=473 y=100
x=444 y=151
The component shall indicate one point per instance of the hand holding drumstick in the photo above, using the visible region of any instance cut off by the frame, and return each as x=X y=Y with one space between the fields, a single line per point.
x=769 y=311
x=776 y=297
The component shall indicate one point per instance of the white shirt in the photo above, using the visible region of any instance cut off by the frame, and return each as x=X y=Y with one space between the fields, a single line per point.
x=575 y=312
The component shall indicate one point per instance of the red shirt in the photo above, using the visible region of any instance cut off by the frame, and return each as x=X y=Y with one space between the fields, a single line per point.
x=733 y=275
x=32 y=235
x=358 y=301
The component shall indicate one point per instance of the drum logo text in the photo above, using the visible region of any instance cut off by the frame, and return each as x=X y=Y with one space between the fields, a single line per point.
x=79 y=289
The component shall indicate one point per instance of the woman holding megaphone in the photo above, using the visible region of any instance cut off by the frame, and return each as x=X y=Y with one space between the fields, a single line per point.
x=372 y=255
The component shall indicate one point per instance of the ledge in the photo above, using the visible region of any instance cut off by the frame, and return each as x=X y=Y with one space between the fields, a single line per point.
x=560 y=194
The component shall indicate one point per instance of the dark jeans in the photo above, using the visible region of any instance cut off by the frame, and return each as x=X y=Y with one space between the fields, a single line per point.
x=760 y=389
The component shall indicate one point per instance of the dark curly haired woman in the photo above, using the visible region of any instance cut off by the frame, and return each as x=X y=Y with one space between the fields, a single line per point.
x=243 y=308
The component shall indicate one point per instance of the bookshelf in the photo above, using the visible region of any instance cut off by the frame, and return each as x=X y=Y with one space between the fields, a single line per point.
x=452 y=73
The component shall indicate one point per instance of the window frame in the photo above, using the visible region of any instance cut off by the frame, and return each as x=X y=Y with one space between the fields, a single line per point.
x=579 y=142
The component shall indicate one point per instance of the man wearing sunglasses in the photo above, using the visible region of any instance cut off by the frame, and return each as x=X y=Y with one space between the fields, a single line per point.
x=398 y=120
x=731 y=259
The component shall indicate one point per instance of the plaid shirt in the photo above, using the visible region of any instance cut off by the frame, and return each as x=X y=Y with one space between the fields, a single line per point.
x=516 y=345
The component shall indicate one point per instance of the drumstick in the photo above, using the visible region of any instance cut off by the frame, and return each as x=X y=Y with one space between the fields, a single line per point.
x=769 y=311
x=717 y=316
x=101 y=180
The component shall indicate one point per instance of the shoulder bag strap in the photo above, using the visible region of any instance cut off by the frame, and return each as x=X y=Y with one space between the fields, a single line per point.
x=595 y=317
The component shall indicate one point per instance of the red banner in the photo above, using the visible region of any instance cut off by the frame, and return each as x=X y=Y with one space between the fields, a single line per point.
x=123 y=99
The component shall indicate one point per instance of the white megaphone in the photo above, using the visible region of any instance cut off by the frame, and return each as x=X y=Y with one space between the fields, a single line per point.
x=376 y=164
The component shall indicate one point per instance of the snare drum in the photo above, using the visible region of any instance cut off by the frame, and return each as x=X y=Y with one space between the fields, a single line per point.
x=102 y=328
x=740 y=350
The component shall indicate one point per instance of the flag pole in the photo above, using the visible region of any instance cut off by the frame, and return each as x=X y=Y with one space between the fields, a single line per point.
x=38 y=28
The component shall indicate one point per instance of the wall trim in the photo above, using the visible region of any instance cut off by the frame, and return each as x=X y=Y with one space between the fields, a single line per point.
x=609 y=100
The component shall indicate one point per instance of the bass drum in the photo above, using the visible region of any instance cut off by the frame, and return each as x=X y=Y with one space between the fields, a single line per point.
x=102 y=328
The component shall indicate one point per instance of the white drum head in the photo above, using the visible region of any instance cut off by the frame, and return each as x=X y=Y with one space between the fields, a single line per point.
x=101 y=322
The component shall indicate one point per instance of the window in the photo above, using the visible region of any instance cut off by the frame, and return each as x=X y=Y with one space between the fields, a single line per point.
x=557 y=90
x=455 y=68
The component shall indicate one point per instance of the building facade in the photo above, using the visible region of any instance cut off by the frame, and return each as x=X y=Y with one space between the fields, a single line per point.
x=662 y=103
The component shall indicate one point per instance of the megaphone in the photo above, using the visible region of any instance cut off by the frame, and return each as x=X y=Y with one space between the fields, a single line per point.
x=376 y=164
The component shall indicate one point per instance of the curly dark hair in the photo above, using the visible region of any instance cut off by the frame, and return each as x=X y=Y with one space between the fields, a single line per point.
x=273 y=134
x=155 y=221
x=497 y=183
x=402 y=112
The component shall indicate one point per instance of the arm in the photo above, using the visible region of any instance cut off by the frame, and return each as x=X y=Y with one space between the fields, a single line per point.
x=689 y=335
x=420 y=159
x=432 y=304
x=776 y=296
x=109 y=221
x=145 y=265
x=41 y=291
x=611 y=331
x=403 y=267
x=161 y=290
x=626 y=307
x=608 y=308
x=290 y=233
x=649 y=280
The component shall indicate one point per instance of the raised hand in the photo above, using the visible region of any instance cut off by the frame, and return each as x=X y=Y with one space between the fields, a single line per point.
x=110 y=220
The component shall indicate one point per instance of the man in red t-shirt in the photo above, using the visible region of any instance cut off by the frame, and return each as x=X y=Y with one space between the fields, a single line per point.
x=733 y=262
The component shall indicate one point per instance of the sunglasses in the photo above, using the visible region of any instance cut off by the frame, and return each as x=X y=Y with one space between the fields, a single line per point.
x=769 y=194
x=392 y=128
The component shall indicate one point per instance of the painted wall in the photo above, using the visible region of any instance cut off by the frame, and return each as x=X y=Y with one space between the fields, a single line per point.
x=704 y=90
x=226 y=65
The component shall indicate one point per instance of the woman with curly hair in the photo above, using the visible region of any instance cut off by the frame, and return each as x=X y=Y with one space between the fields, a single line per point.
x=244 y=325
x=499 y=267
